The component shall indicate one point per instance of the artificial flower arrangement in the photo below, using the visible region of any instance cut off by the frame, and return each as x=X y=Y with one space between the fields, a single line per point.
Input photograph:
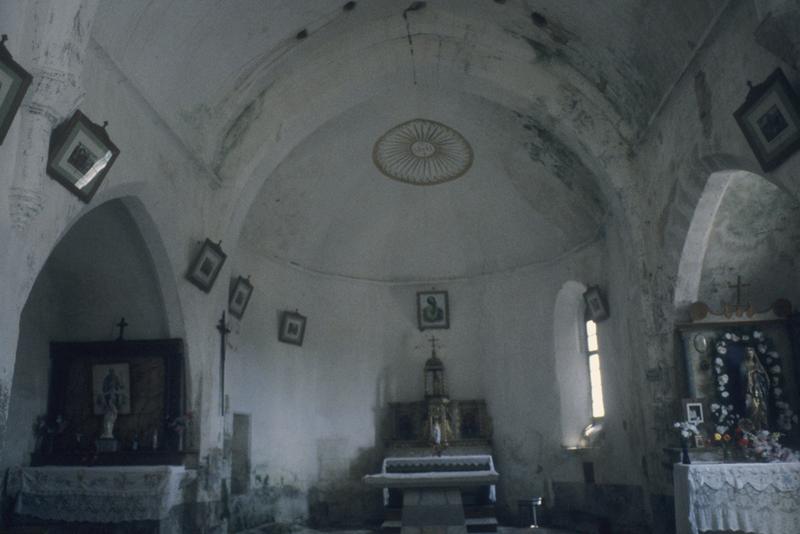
x=769 y=357
x=180 y=425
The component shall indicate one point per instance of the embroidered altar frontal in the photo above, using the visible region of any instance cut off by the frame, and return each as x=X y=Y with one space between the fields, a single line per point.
x=100 y=494
x=759 y=498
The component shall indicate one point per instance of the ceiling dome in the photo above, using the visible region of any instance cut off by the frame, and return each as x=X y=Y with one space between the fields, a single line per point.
x=422 y=152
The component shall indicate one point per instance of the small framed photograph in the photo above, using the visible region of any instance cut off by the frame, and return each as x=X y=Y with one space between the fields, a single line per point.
x=293 y=328
x=770 y=120
x=596 y=307
x=206 y=265
x=433 y=310
x=81 y=154
x=111 y=385
x=240 y=296
x=14 y=82
x=693 y=411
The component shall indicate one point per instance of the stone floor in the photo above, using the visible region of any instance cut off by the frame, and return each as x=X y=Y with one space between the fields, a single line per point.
x=272 y=528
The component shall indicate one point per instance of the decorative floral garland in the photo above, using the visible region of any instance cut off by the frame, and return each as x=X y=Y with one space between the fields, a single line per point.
x=726 y=418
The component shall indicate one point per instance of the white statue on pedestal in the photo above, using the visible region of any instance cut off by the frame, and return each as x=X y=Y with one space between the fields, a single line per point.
x=109 y=418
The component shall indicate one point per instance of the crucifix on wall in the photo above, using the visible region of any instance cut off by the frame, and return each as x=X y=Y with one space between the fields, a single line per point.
x=222 y=327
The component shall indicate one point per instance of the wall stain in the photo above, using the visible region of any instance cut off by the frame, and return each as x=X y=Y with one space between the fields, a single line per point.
x=702 y=93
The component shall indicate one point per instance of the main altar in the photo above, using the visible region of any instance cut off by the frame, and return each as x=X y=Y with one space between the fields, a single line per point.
x=438 y=473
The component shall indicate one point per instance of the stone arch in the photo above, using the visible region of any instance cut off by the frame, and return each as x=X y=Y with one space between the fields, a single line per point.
x=693 y=253
x=61 y=304
x=570 y=359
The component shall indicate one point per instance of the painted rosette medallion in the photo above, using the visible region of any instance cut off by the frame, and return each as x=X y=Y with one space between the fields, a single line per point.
x=422 y=152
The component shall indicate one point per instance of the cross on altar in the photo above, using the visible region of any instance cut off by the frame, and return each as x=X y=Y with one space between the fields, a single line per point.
x=121 y=325
x=433 y=341
x=738 y=286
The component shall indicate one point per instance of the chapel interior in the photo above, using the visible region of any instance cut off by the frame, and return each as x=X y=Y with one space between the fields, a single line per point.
x=341 y=255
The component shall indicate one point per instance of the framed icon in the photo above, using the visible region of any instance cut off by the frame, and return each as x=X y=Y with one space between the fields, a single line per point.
x=293 y=328
x=81 y=154
x=770 y=120
x=206 y=265
x=240 y=296
x=433 y=310
x=14 y=83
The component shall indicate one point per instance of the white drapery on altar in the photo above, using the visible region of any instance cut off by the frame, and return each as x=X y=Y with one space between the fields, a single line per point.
x=759 y=498
x=100 y=494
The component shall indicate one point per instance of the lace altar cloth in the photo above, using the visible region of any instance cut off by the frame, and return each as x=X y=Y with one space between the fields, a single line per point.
x=99 y=494
x=759 y=498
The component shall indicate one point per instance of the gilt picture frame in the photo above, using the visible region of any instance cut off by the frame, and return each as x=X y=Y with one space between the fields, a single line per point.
x=770 y=120
x=14 y=83
x=240 y=296
x=293 y=328
x=206 y=265
x=433 y=310
x=81 y=154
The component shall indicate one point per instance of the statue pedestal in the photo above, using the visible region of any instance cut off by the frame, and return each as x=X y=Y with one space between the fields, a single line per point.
x=107 y=445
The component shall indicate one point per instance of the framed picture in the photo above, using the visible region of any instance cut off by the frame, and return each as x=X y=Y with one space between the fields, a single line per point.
x=240 y=296
x=693 y=411
x=293 y=328
x=81 y=154
x=596 y=307
x=14 y=82
x=111 y=384
x=770 y=120
x=433 y=310
x=144 y=379
x=206 y=265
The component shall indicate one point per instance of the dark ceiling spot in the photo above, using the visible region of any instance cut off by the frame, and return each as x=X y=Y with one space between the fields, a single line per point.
x=349 y=6
x=415 y=6
x=499 y=1
x=539 y=19
x=302 y=34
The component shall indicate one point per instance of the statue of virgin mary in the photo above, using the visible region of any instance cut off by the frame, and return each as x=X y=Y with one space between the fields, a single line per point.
x=756 y=390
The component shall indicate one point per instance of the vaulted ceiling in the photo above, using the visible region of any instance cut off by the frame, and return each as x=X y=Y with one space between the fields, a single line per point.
x=285 y=99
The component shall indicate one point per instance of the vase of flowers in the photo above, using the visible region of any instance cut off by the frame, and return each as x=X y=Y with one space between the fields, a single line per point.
x=180 y=425
x=687 y=430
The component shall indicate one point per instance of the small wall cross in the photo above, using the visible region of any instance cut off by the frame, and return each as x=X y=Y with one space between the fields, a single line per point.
x=738 y=287
x=121 y=325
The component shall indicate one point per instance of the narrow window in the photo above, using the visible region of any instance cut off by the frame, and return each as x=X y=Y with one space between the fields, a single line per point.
x=595 y=378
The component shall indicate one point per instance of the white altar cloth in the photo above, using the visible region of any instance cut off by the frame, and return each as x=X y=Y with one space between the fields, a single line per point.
x=754 y=497
x=436 y=471
x=99 y=494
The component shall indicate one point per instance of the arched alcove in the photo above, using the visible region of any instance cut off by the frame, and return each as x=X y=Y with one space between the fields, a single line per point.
x=571 y=367
x=743 y=226
x=101 y=270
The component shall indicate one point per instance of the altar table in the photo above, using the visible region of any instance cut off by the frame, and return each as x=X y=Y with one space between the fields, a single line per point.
x=752 y=497
x=100 y=494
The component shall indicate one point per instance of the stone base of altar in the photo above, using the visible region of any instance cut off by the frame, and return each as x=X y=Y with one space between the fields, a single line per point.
x=433 y=511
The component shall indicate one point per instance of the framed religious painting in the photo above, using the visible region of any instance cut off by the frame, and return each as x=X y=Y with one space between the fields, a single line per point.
x=81 y=154
x=293 y=328
x=111 y=385
x=240 y=296
x=596 y=307
x=14 y=82
x=433 y=310
x=770 y=120
x=206 y=265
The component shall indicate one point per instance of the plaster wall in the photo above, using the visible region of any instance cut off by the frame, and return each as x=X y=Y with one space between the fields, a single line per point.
x=98 y=273
x=693 y=135
x=318 y=410
x=755 y=235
